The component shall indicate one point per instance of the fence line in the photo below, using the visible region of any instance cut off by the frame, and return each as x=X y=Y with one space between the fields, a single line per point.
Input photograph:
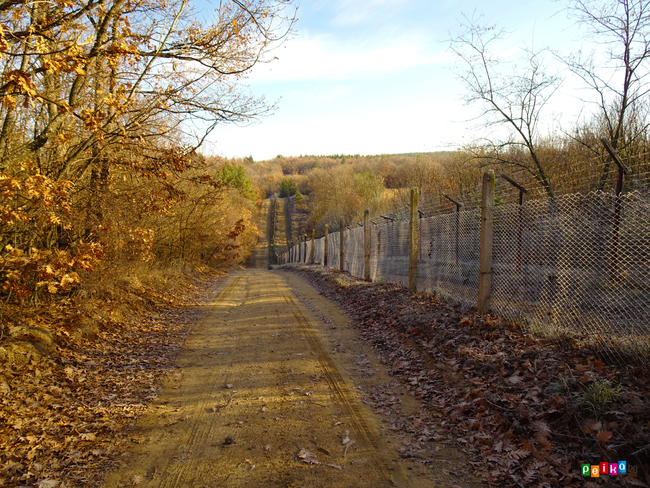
x=272 y=225
x=575 y=265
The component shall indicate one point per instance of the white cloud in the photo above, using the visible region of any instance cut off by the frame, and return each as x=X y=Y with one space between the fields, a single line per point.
x=405 y=127
x=324 y=59
x=359 y=98
x=355 y=12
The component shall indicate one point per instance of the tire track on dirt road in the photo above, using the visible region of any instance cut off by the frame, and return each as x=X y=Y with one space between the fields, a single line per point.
x=341 y=388
x=201 y=432
x=255 y=386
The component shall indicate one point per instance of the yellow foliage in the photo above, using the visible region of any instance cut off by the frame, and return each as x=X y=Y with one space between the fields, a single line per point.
x=21 y=82
x=95 y=161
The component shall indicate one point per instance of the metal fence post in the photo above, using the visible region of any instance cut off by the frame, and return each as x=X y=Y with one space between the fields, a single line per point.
x=413 y=242
x=487 y=239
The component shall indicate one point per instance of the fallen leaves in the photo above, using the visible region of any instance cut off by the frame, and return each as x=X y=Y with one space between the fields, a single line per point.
x=307 y=457
x=61 y=424
x=604 y=436
x=48 y=483
x=522 y=408
x=515 y=379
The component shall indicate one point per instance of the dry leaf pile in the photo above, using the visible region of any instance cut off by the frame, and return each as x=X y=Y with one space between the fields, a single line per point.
x=62 y=414
x=527 y=411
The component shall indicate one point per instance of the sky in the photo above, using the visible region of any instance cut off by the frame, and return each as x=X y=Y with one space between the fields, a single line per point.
x=378 y=77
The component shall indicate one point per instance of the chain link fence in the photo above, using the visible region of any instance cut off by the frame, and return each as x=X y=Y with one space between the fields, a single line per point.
x=577 y=265
x=573 y=263
x=574 y=266
x=334 y=250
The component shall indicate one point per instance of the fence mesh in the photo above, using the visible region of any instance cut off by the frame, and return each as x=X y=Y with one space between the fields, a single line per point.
x=577 y=265
x=574 y=265
x=319 y=246
x=354 y=253
x=334 y=250
x=448 y=256
x=390 y=243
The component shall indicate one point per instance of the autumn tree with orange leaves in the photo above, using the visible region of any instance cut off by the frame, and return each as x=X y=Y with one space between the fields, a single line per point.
x=103 y=106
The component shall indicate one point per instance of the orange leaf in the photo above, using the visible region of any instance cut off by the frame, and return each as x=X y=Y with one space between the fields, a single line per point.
x=604 y=436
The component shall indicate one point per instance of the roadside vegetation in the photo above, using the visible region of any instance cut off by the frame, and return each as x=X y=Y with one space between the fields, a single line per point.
x=108 y=214
x=102 y=190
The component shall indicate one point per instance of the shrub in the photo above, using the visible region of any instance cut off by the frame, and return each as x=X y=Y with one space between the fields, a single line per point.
x=288 y=188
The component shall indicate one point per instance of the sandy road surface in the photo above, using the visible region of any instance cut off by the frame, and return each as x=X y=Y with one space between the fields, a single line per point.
x=267 y=393
x=256 y=394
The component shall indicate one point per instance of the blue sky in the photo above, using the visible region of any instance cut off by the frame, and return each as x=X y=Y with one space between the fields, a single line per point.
x=377 y=76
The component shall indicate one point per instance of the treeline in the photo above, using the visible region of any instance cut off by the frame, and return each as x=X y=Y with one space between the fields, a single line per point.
x=340 y=189
x=103 y=105
x=396 y=171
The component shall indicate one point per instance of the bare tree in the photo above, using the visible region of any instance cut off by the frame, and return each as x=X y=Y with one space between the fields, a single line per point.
x=511 y=97
x=617 y=74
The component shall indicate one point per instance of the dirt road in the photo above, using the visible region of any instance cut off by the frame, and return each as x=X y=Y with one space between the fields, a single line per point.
x=267 y=393
x=257 y=400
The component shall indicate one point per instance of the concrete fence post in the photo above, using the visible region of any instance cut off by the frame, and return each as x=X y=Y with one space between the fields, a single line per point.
x=487 y=239
x=413 y=242
x=325 y=249
x=313 y=237
x=342 y=248
x=366 y=245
